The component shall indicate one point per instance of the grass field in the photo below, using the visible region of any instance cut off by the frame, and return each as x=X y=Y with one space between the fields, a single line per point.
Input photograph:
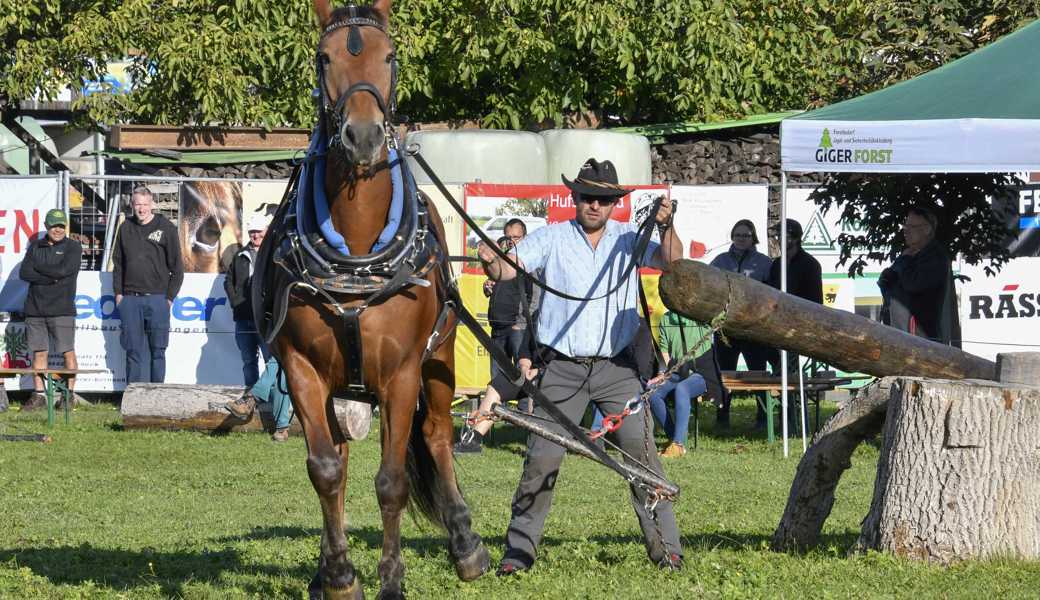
x=106 y=513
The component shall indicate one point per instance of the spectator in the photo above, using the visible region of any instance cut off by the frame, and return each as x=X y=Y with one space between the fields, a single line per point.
x=505 y=308
x=743 y=257
x=50 y=267
x=146 y=275
x=237 y=287
x=805 y=280
x=680 y=336
x=584 y=342
x=918 y=289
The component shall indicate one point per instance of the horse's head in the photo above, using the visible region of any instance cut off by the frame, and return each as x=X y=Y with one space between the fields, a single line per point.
x=357 y=73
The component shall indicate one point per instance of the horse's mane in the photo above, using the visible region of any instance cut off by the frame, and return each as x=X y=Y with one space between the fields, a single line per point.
x=367 y=12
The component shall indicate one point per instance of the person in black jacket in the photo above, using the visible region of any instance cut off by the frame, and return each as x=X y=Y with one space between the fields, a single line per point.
x=236 y=286
x=918 y=288
x=505 y=310
x=50 y=267
x=147 y=273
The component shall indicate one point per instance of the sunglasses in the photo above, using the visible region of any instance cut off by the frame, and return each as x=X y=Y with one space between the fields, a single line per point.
x=743 y=236
x=604 y=202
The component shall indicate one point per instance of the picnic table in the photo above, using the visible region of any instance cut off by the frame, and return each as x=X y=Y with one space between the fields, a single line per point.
x=55 y=380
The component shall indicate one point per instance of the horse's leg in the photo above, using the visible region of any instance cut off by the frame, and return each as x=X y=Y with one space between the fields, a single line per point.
x=397 y=407
x=465 y=546
x=327 y=468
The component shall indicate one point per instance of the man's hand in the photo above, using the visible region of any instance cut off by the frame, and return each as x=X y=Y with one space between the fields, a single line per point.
x=119 y=298
x=486 y=253
x=169 y=303
x=656 y=380
x=489 y=286
x=664 y=214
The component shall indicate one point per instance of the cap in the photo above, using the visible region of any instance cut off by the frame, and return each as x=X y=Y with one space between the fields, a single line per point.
x=257 y=222
x=55 y=216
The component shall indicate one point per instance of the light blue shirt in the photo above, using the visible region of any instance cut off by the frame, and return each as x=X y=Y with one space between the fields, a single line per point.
x=600 y=327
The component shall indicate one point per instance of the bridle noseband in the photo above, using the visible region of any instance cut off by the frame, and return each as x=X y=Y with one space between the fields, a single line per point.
x=330 y=115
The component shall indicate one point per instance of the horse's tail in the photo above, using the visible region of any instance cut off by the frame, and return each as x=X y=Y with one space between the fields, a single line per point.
x=425 y=493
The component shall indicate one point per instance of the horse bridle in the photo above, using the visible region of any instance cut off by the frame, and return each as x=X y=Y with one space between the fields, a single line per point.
x=330 y=114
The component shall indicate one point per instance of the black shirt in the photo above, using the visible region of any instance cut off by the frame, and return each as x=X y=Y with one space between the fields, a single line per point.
x=804 y=276
x=147 y=258
x=504 y=306
x=51 y=270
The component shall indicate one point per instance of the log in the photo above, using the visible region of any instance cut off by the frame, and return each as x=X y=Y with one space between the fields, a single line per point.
x=760 y=313
x=830 y=455
x=958 y=475
x=201 y=408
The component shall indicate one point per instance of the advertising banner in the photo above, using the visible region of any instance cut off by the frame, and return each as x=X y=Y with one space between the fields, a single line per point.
x=706 y=214
x=23 y=203
x=209 y=224
x=202 y=335
x=1001 y=313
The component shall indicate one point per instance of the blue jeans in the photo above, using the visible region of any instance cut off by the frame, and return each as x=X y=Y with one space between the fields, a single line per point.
x=144 y=335
x=274 y=389
x=685 y=390
x=250 y=347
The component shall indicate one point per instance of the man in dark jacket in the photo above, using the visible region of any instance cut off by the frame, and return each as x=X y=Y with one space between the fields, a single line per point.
x=918 y=288
x=50 y=267
x=505 y=308
x=236 y=286
x=804 y=279
x=147 y=273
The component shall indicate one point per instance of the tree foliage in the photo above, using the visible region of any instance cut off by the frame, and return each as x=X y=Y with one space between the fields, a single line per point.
x=875 y=206
x=508 y=63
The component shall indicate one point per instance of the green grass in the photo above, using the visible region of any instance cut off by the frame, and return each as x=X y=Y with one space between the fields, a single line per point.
x=106 y=513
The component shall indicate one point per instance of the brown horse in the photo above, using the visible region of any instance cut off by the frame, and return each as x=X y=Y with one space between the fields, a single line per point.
x=356 y=73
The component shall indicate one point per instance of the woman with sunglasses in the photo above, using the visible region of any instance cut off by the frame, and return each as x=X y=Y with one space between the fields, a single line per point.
x=742 y=257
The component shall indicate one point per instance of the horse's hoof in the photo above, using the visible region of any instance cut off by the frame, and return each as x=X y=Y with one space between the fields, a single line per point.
x=351 y=592
x=474 y=565
x=395 y=595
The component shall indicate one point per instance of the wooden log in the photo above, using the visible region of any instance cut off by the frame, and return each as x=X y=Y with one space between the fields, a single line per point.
x=830 y=455
x=760 y=313
x=201 y=408
x=958 y=477
x=1019 y=367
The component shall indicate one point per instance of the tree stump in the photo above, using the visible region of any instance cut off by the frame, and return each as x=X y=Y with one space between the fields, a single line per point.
x=959 y=473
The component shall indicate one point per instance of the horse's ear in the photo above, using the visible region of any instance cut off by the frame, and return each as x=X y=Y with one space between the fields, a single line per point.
x=323 y=9
x=383 y=7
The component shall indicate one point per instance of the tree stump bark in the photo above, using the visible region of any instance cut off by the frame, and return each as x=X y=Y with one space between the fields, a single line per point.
x=959 y=473
x=201 y=408
x=830 y=455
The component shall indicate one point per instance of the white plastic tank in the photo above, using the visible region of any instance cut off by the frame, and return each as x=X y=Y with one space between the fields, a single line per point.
x=568 y=149
x=486 y=155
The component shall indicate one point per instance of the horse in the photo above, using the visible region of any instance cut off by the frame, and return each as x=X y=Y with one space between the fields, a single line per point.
x=321 y=305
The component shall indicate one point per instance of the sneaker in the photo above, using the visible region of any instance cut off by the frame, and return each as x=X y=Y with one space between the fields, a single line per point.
x=672 y=562
x=469 y=443
x=242 y=408
x=280 y=435
x=35 y=402
x=673 y=450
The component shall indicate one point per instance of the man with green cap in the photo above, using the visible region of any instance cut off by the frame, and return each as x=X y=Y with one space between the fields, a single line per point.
x=50 y=267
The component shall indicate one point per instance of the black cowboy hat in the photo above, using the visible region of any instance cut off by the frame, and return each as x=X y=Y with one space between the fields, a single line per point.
x=596 y=179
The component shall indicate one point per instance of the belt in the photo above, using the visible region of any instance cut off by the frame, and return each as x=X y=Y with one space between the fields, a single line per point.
x=140 y=294
x=551 y=354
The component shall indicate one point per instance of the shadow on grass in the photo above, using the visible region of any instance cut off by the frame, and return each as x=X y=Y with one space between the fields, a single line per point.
x=122 y=569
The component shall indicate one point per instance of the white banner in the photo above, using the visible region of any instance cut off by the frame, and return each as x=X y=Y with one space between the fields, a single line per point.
x=925 y=146
x=706 y=214
x=24 y=201
x=1002 y=313
x=202 y=335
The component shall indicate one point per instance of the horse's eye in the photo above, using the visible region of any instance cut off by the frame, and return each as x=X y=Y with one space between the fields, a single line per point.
x=209 y=232
x=390 y=58
x=324 y=59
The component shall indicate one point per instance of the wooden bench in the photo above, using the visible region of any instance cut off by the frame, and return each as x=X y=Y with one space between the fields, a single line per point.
x=55 y=380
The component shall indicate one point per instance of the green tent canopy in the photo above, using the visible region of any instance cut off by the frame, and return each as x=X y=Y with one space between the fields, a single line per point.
x=978 y=114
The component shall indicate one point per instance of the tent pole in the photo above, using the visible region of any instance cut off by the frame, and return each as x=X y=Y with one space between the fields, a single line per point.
x=783 y=288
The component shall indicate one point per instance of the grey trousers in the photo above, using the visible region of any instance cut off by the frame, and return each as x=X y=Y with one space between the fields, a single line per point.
x=571 y=386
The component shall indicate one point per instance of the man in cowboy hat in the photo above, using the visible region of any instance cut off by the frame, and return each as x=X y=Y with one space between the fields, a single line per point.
x=582 y=349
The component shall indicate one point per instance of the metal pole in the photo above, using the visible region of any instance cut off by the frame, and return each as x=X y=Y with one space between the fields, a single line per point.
x=99 y=162
x=783 y=288
x=801 y=402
